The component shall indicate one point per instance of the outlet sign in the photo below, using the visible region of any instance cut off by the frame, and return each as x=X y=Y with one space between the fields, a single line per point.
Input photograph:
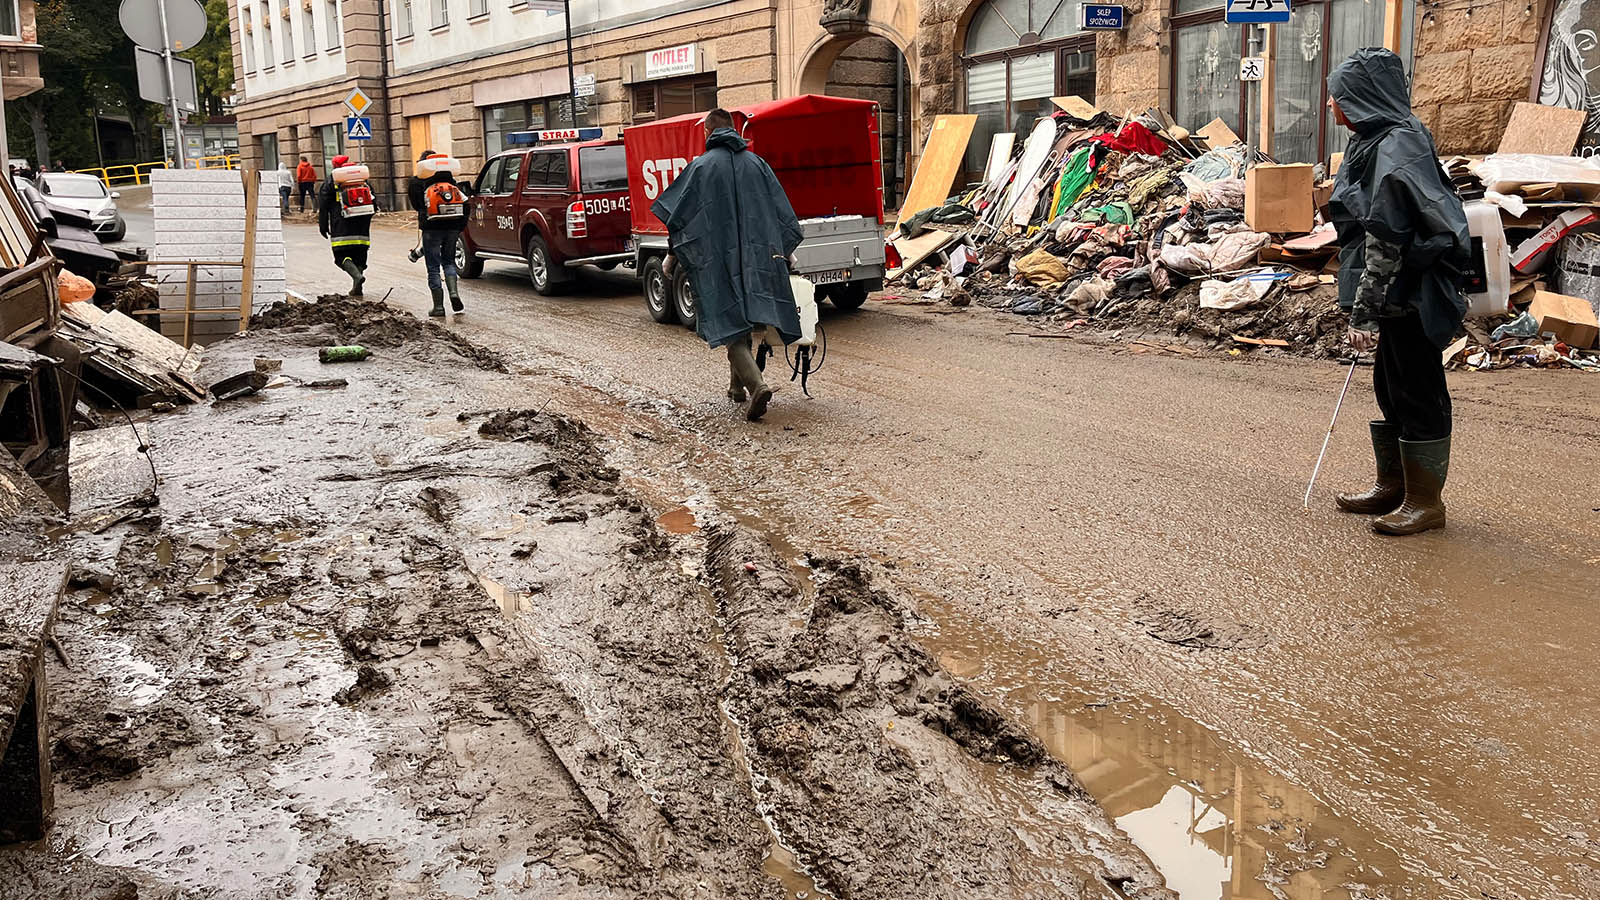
x=670 y=61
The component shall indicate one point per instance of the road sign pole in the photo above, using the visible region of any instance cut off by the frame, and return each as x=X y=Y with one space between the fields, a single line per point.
x=1252 y=103
x=572 y=82
x=172 y=89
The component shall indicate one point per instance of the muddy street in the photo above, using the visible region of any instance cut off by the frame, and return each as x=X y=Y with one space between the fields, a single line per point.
x=522 y=607
x=1112 y=546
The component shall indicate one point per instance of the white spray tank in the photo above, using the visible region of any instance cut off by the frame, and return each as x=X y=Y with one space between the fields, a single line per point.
x=805 y=300
x=1488 y=281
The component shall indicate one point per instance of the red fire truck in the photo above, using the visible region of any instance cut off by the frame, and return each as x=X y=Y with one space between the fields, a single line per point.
x=825 y=152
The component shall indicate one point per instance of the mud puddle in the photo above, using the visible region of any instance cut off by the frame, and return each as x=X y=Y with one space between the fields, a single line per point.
x=1217 y=825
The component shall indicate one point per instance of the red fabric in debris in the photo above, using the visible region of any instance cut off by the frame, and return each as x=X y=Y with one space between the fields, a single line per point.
x=1135 y=138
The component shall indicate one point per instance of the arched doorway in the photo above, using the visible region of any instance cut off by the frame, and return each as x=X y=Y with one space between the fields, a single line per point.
x=870 y=67
x=1017 y=54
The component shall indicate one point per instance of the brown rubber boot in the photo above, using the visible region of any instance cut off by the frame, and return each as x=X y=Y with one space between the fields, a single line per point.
x=1426 y=465
x=735 y=386
x=1389 y=489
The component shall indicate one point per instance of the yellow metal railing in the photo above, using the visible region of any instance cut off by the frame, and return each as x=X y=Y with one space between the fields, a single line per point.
x=139 y=174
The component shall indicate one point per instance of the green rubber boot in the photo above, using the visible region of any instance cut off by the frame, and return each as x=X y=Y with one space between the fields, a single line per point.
x=357 y=277
x=1389 y=488
x=451 y=284
x=438 y=303
x=1426 y=465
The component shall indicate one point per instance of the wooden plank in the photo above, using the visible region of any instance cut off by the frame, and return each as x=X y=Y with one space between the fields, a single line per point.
x=1218 y=134
x=941 y=160
x=1077 y=107
x=999 y=154
x=1265 y=112
x=252 y=196
x=1392 y=20
x=914 y=250
x=1548 y=130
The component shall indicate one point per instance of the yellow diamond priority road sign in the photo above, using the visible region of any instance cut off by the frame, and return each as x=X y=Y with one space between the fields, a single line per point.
x=357 y=102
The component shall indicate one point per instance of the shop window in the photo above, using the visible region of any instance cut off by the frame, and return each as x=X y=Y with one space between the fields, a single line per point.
x=674 y=97
x=269 y=152
x=1319 y=35
x=1019 y=54
x=331 y=137
x=331 y=23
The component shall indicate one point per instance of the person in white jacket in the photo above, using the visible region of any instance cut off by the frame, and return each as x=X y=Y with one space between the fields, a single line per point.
x=285 y=187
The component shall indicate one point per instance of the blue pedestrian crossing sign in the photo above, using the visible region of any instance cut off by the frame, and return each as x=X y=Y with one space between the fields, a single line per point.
x=1257 y=12
x=358 y=128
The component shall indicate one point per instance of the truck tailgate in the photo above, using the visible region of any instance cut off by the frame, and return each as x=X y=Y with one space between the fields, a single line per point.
x=840 y=242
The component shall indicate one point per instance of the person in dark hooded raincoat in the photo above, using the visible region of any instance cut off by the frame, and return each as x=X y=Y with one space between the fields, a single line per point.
x=731 y=227
x=1404 y=243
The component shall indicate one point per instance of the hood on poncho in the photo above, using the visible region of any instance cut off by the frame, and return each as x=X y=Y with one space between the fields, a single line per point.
x=1371 y=89
x=727 y=139
x=1392 y=186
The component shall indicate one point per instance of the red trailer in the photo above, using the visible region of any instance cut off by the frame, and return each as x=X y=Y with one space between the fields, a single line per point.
x=827 y=155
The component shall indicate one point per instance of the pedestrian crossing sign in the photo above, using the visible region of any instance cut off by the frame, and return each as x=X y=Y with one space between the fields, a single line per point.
x=358 y=128
x=1258 y=12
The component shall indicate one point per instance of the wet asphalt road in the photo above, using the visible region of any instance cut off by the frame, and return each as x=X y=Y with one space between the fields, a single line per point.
x=1067 y=510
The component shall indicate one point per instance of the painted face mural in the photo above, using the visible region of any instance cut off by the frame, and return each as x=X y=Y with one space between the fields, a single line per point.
x=1570 y=65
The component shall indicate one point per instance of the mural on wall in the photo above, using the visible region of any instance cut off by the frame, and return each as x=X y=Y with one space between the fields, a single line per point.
x=1570 y=64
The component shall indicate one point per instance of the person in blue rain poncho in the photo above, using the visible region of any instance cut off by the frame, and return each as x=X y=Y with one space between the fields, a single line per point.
x=1405 y=244
x=732 y=229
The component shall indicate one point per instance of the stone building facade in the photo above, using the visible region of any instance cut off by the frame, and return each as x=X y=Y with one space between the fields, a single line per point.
x=461 y=74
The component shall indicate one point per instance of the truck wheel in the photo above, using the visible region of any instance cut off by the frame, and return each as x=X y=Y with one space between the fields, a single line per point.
x=658 y=292
x=685 y=303
x=547 y=275
x=468 y=265
x=847 y=297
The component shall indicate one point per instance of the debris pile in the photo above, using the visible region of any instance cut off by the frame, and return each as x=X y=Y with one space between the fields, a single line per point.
x=371 y=323
x=1138 y=225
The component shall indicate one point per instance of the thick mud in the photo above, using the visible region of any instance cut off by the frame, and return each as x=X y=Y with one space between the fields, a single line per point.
x=413 y=636
x=372 y=323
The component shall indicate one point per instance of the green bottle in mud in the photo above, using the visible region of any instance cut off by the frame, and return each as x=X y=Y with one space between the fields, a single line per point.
x=345 y=353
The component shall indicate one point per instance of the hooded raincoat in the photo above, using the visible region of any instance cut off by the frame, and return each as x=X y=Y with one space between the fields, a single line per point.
x=1391 y=187
x=732 y=229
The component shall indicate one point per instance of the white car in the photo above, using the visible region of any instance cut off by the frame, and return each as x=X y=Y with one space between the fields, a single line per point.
x=87 y=193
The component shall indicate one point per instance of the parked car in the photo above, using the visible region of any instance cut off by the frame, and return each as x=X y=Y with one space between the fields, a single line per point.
x=551 y=207
x=88 y=194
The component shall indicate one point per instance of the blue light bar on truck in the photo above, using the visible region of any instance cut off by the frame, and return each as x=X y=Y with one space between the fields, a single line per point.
x=552 y=135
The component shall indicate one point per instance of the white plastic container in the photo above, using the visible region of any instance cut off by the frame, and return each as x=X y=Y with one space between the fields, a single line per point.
x=351 y=174
x=1488 y=283
x=433 y=165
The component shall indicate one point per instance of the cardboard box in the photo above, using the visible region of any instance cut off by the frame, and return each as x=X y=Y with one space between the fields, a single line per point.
x=1570 y=318
x=1277 y=199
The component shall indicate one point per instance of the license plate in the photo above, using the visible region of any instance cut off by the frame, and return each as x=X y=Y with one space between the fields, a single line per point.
x=833 y=277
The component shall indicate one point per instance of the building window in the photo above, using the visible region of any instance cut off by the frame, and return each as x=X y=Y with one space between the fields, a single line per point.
x=331 y=137
x=247 y=40
x=674 y=97
x=402 y=19
x=331 y=24
x=308 y=19
x=528 y=115
x=269 y=152
x=1019 y=54
x=268 y=54
x=288 y=33
x=10 y=21
x=476 y=8
x=1319 y=35
x=441 y=13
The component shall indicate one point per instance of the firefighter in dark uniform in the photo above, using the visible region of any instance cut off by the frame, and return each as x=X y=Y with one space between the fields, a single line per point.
x=350 y=236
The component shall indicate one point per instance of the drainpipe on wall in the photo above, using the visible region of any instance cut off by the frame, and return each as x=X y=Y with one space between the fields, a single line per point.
x=900 y=116
x=383 y=92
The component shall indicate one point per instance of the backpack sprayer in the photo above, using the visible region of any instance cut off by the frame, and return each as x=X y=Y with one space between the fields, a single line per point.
x=812 y=347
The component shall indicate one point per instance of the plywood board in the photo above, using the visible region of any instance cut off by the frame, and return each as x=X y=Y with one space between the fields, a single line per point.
x=1547 y=130
x=914 y=250
x=1077 y=107
x=999 y=155
x=1218 y=134
x=941 y=160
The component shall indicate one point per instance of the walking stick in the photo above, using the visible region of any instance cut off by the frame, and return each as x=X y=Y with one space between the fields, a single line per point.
x=1306 y=503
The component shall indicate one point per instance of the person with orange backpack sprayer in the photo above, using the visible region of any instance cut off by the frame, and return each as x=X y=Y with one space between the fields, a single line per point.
x=441 y=207
x=344 y=216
